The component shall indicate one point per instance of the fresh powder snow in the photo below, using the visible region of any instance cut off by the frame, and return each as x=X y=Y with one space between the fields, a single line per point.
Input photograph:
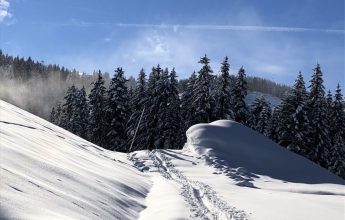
x=224 y=171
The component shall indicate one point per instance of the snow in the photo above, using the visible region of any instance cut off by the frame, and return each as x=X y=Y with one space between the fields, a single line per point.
x=225 y=171
x=49 y=173
x=252 y=95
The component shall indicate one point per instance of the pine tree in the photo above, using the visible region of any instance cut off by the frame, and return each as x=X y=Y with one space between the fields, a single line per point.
x=239 y=92
x=294 y=124
x=203 y=99
x=271 y=131
x=97 y=128
x=81 y=113
x=256 y=109
x=52 y=117
x=150 y=118
x=173 y=114
x=117 y=112
x=137 y=105
x=337 y=153
x=263 y=119
x=319 y=147
x=188 y=107
x=68 y=116
x=224 y=93
x=58 y=114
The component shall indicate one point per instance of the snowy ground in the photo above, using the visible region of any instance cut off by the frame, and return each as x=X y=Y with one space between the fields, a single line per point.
x=225 y=171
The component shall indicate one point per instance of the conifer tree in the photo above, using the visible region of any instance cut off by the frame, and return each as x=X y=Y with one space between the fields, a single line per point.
x=173 y=114
x=188 y=107
x=52 y=117
x=262 y=123
x=256 y=109
x=203 y=99
x=137 y=104
x=293 y=126
x=337 y=155
x=319 y=147
x=224 y=92
x=117 y=111
x=67 y=118
x=150 y=118
x=239 y=106
x=81 y=113
x=97 y=128
x=271 y=131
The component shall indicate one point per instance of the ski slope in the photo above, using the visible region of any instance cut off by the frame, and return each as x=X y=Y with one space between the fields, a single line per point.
x=225 y=171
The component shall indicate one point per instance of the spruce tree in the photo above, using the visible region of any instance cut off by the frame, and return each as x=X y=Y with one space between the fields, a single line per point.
x=293 y=127
x=203 y=99
x=239 y=92
x=188 y=107
x=68 y=121
x=81 y=113
x=150 y=118
x=173 y=114
x=137 y=104
x=117 y=112
x=337 y=155
x=224 y=92
x=263 y=120
x=256 y=109
x=271 y=131
x=97 y=129
x=319 y=147
x=52 y=117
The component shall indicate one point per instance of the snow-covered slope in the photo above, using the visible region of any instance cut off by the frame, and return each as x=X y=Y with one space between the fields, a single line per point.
x=49 y=173
x=252 y=95
x=225 y=171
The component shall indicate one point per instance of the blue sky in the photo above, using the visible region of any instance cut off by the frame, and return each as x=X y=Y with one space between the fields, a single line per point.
x=272 y=39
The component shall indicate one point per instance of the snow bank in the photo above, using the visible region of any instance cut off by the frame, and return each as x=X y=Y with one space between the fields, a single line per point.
x=49 y=173
x=233 y=145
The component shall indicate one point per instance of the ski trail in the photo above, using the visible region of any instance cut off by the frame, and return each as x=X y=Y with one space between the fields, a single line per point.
x=202 y=199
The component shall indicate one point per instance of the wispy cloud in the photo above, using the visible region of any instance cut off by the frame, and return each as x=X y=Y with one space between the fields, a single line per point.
x=4 y=10
x=176 y=27
x=229 y=28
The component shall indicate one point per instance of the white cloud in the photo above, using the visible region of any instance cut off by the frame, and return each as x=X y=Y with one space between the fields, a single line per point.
x=4 y=10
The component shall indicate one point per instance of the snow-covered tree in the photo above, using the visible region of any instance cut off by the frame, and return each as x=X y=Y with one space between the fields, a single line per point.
x=97 y=127
x=203 y=99
x=137 y=104
x=256 y=109
x=117 y=112
x=263 y=120
x=271 y=131
x=68 y=109
x=224 y=92
x=188 y=107
x=173 y=117
x=150 y=118
x=293 y=126
x=319 y=147
x=81 y=113
x=238 y=94
x=337 y=152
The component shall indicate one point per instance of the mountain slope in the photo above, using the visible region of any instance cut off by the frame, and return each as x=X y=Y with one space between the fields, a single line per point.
x=49 y=173
x=225 y=171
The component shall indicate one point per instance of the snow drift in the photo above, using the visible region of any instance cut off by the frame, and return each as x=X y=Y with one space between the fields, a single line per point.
x=49 y=173
x=234 y=145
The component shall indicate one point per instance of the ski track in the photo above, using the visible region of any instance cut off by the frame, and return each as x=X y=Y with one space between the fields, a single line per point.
x=202 y=199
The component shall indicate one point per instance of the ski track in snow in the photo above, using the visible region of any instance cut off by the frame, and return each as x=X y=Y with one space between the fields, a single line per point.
x=203 y=200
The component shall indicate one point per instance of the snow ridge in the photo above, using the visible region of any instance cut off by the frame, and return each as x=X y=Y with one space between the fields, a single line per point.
x=203 y=200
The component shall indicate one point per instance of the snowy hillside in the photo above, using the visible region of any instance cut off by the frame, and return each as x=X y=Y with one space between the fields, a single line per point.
x=252 y=95
x=225 y=171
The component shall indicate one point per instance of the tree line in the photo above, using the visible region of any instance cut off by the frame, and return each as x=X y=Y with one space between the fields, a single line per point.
x=36 y=86
x=307 y=122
